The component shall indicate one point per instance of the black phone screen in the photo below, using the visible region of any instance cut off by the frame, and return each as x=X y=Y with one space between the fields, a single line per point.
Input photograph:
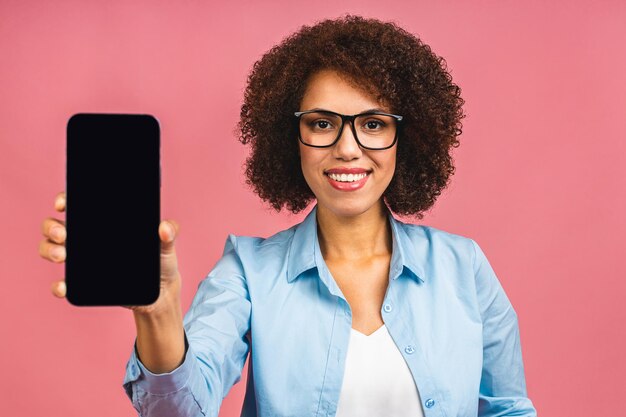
x=112 y=209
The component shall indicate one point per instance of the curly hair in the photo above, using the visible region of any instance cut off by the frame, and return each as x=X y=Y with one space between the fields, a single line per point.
x=382 y=59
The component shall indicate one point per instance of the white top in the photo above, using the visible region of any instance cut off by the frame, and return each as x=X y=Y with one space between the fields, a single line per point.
x=377 y=380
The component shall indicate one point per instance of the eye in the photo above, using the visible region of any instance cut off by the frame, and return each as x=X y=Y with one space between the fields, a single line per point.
x=321 y=124
x=374 y=124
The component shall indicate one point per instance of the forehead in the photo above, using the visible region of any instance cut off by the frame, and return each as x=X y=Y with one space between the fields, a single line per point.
x=332 y=90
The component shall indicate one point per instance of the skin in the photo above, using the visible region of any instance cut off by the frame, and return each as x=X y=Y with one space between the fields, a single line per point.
x=160 y=335
x=354 y=233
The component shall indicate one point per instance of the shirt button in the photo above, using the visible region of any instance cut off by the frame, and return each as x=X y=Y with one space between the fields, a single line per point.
x=409 y=349
x=387 y=308
x=429 y=403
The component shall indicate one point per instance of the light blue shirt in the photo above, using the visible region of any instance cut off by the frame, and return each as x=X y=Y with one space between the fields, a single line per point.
x=275 y=298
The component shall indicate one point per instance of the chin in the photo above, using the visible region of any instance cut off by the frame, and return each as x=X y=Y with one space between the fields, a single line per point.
x=348 y=207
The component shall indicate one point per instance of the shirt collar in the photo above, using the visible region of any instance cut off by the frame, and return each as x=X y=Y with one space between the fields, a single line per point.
x=301 y=256
x=407 y=253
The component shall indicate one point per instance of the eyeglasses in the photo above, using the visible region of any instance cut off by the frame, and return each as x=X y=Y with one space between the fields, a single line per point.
x=372 y=130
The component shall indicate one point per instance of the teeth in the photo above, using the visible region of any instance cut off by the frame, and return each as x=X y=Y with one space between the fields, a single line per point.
x=347 y=177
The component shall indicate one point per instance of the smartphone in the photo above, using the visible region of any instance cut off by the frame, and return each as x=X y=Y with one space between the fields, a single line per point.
x=112 y=214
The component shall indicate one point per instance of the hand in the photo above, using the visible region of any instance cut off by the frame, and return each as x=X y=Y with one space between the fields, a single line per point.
x=52 y=248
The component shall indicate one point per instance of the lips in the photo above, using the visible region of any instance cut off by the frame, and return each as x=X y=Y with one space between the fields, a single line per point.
x=345 y=170
x=347 y=179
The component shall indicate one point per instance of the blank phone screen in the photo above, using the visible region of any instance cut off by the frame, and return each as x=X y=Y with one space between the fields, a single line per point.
x=112 y=209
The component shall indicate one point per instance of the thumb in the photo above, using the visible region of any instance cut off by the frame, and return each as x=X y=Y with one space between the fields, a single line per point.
x=168 y=230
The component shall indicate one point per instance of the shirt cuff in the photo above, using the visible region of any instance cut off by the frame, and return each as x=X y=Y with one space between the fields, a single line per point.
x=159 y=384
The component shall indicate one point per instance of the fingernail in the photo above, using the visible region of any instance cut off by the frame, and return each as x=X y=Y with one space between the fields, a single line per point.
x=57 y=233
x=58 y=253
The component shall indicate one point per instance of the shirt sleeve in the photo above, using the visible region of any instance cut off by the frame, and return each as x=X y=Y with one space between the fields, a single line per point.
x=503 y=384
x=217 y=338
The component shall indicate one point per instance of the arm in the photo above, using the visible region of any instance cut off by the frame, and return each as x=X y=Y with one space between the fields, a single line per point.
x=503 y=385
x=160 y=334
x=216 y=328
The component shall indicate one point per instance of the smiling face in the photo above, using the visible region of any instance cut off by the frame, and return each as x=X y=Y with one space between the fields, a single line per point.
x=322 y=167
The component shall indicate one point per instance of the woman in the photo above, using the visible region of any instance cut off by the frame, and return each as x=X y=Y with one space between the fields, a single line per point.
x=351 y=312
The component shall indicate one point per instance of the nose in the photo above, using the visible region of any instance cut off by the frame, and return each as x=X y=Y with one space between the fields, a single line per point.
x=347 y=148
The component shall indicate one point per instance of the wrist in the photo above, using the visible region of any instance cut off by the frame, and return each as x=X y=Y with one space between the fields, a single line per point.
x=166 y=306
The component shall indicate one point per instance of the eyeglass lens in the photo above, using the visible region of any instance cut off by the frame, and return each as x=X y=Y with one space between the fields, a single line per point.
x=322 y=129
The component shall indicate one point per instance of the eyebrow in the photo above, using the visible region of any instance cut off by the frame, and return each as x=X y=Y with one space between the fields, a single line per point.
x=374 y=109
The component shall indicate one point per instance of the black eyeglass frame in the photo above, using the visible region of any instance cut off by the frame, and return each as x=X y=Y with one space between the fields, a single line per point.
x=351 y=119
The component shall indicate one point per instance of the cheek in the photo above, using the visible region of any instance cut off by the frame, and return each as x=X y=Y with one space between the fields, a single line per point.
x=304 y=159
x=392 y=162
x=308 y=167
x=387 y=163
x=308 y=159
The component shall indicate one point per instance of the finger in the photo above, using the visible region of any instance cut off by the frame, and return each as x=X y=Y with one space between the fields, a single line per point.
x=59 y=201
x=168 y=230
x=51 y=251
x=59 y=289
x=54 y=229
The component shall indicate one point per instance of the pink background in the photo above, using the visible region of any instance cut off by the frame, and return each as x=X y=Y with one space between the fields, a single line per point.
x=540 y=183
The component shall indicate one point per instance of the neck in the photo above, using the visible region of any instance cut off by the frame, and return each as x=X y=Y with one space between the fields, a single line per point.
x=357 y=237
